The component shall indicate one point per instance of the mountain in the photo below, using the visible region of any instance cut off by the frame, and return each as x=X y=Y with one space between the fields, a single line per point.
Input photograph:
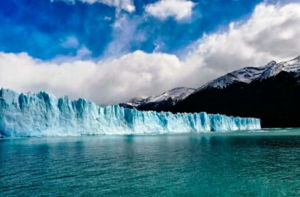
x=271 y=93
x=250 y=74
x=162 y=102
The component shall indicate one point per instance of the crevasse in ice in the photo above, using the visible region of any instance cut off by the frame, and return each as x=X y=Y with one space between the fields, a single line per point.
x=43 y=114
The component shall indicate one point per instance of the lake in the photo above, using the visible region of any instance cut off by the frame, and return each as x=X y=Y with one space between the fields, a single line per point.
x=264 y=163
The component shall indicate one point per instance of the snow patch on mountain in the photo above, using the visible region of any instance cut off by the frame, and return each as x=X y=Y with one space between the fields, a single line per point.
x=249 y=74
x=176 y=94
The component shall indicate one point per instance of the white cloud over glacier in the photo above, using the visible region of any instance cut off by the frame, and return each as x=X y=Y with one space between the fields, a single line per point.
x=272 y=32
x=118 y=4
x=105 y=82
x=179 y=9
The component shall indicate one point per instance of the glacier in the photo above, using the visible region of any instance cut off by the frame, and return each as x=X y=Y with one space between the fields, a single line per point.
x=42 y=114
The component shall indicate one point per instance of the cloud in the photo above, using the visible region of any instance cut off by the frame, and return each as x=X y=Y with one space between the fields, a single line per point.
x=82 y=53
x=179 y=9
x=70 y=42
x=271 y=33
x=105 y=82
x=126 y=5
x=123 y=35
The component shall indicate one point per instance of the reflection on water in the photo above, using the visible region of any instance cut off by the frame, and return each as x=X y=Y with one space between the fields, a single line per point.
x=236 y=164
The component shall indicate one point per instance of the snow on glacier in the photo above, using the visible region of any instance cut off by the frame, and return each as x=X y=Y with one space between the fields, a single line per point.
x=43 y=114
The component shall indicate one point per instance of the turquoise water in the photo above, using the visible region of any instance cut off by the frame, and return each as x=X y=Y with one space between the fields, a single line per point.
x=235 y=164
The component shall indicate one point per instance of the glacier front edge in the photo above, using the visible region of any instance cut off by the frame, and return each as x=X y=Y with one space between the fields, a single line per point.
x=43 y=114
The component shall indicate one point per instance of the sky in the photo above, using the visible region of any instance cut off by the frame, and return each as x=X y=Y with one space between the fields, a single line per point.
x=109 y=51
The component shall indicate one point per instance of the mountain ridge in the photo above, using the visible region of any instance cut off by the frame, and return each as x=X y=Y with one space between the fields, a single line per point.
x=171 y=96
x=270 y=92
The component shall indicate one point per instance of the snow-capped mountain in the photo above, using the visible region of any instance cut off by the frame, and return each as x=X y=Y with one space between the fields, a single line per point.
x=292 y=66
x=173 y=95
x=250 y=74
x=270 y=92
x=245 y=76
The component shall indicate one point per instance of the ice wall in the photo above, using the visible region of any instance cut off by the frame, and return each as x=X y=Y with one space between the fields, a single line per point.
x=43 y=114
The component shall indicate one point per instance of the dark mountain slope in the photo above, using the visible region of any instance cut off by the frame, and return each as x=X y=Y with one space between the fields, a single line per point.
x=276 y=100
x=270 y=92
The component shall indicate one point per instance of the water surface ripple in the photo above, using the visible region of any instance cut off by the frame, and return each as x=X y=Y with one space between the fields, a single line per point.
x=235 y=164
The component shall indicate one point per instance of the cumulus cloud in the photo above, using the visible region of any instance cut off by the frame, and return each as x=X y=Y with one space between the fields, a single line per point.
x=105 y=82
x=271 y=33
x=82 y=53
x=179 y=9
x=126 y=5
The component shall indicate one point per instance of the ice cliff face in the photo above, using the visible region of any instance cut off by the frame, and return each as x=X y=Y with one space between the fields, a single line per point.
x=43 y=114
